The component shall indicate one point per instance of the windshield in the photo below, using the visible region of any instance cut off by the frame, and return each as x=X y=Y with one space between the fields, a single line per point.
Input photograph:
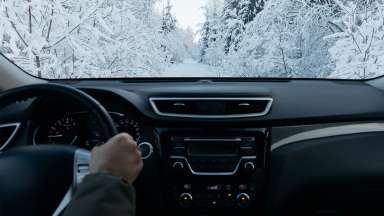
x=69 y=39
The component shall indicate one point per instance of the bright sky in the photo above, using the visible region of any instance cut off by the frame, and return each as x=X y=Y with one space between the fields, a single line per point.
x=188 y=13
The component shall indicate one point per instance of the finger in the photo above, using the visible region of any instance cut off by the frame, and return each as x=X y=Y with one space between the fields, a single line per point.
x=126 y=136
x=139 y=154
x=122 y=138
x=94 y=149
x=131 y=146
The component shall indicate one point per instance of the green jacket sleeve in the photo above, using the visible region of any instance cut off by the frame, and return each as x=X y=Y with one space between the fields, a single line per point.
x=102 y=194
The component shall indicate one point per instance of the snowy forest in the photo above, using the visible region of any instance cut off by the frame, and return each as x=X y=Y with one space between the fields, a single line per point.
x=239 y=38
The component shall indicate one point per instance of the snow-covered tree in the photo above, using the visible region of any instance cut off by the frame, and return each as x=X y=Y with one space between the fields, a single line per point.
x=211 y=41
x=247 y=10
x=174 y=43
x=259 y=5
x=285 y=39
x=251 y=38
x=233 y=26
x=25 y=37
x=143 y=9
x=358 y=52
x=88 y=38
x=204 y=39
x=168 y=21
x=236 y=15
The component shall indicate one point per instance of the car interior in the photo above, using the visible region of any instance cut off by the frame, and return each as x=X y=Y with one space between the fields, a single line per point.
x=212 y=146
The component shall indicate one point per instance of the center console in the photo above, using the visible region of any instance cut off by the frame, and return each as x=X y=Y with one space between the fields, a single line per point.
x=210 y=171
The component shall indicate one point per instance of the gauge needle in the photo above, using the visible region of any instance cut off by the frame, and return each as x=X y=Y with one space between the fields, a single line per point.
x=55 y=136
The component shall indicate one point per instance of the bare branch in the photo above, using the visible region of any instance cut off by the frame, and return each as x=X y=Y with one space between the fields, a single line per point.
x=72 y=29
x=336 y=26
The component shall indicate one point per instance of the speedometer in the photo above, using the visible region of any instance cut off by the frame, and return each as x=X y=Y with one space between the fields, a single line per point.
x=129 y=126
x=123 y=123
x=63 y=131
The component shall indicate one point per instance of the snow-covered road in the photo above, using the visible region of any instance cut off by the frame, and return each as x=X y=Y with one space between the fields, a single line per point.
x=190 y=68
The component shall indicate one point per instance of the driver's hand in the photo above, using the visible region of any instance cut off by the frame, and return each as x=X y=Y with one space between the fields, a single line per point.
x=119 y=157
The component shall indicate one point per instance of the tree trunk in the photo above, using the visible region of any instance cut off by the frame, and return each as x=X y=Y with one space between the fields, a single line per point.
x=30 y=17
x=37 y=59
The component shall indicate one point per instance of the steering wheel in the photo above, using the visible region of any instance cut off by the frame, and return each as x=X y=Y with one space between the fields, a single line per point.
x=34 y=179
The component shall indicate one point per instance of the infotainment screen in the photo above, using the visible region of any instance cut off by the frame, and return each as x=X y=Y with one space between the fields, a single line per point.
x=213 y=148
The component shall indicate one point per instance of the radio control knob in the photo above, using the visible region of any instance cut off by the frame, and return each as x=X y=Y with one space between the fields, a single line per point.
x=249 y=166
x=243 y=200
x=185 y=199
x=178 y=165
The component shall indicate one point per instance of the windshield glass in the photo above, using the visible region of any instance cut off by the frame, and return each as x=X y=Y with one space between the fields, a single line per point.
x=69 y=39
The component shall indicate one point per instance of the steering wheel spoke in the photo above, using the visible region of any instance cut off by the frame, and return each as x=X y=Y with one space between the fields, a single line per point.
x=81 y=161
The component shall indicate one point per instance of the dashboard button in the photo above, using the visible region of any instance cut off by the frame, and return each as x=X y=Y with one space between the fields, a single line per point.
x=185 y=200
x=187 y=186
x=243 y=200
x=228 y=187
x=243 y=187
x=249 y=167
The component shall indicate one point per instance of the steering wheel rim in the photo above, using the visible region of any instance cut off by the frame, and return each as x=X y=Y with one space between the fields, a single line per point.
x=21 y=183
x=49 y=89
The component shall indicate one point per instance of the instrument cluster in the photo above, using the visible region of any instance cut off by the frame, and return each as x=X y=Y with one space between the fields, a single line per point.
x=82 y=130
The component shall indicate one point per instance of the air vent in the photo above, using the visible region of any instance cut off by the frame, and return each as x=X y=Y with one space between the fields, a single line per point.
x=7 y=132
x=211 y=107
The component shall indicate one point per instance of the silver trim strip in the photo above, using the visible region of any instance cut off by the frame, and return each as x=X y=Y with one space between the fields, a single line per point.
x=188 y=139
x=157 y=111
x=330 y=132
x=16 y=125
x=81 y=159
x=214 y=173
x=64 y=202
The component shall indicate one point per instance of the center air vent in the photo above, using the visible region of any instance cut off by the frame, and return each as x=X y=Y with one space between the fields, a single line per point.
x=211 y=107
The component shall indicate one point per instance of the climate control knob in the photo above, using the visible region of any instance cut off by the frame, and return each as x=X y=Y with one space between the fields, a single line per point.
x=185 y=199
x=178 y=165
x=249 y=166
x=243 y=200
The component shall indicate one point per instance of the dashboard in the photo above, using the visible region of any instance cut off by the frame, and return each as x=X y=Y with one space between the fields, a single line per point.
x=308 y=142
